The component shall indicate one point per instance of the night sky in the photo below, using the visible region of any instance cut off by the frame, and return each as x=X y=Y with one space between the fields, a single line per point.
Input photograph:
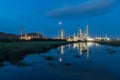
x=43 y=16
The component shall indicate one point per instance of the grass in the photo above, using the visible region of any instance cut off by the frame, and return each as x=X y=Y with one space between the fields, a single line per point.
x=110 y=43
x=16 y=51
x=14 y=47
x=49 y=58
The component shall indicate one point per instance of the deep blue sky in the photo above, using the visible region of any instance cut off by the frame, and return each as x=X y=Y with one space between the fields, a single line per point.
x=102 y=16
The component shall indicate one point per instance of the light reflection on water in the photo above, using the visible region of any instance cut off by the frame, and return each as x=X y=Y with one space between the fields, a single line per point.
x=79 y=61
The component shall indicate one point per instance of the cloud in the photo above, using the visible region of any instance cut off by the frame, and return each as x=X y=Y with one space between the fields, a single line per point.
x=85 y=9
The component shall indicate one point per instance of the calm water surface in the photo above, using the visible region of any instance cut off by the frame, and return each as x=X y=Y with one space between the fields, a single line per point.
x=79 y=61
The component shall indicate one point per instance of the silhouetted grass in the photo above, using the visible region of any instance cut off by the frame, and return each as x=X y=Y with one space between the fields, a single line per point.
x=30 y=47
x=16 y=51
x=110 y=43
x=50 y=58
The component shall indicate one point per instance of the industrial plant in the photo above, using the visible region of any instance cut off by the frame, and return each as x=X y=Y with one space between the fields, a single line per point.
x=81 y=35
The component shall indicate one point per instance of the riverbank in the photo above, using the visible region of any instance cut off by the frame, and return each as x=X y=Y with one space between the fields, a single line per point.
x=109 y=42
x=30 y=46
x=14 y=52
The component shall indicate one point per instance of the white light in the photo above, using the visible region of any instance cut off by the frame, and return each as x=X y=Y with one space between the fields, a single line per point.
x=60 y=59
x=60 y=23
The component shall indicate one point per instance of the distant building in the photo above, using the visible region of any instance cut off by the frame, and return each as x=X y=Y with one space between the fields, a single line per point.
x=86 y=36
x=61 y=32
x=75 y=38
x=30 y=36
x=106 y=37
x=80 y=35
x=25 y=37
x=61 y=35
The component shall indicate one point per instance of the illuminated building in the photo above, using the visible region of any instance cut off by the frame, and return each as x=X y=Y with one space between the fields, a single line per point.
x=75 y=38
x=106 y=38
x=25 y=37
x=60 y=32
x=80 y=34
x=86 y=33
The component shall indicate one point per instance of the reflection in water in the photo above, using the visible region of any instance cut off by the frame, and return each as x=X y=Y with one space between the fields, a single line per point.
x=83 y=47
x=73 y=62
x=80 y=47
x=61 y=50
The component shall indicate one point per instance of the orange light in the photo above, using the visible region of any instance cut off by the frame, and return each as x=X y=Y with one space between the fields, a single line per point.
x=29 y=38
